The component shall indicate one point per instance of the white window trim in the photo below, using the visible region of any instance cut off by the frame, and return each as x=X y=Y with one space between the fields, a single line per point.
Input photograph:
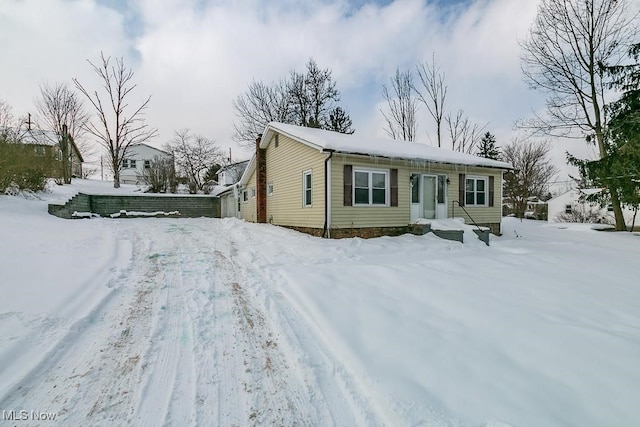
x=386 y=187
x=304 y=188
x=253 y=192
x=269 y=189
x=486 y=191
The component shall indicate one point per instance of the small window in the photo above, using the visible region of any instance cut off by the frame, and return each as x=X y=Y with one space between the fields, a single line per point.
x=269 y=189
x=39 y=150
x=476 y=191
x=306 y=185
x=253 y=192
x=415 y=188
x=442 y=187
x=568 y=209
x=370 y=187
x=125 y=164
x=245 y=196
x=610 y=207
x=132 y=164
x=147 y=164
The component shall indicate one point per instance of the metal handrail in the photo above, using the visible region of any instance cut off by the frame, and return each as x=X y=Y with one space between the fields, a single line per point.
x=465 y=211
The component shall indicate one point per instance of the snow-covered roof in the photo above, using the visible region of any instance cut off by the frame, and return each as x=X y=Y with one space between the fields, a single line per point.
x=576 y=193
x=142 y=144
x=590 y=191
x=39 y=137
x=325 y=140
x=241 y=164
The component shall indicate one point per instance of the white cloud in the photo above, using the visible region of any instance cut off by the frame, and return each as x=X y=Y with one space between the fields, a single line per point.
x=49 y=41
x=195 y=57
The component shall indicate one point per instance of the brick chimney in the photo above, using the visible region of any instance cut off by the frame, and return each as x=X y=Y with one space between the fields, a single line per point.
x=261 y=182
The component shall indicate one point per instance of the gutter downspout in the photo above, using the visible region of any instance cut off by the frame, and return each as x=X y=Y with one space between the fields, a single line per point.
x=327 y=195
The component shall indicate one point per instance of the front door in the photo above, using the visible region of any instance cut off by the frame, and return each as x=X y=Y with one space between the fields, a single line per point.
x=429 y=193
x=428 y=197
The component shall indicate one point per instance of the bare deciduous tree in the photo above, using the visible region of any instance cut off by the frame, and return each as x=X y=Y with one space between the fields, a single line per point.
x=533 y=172
x=6 y=115
x=465 y=135
x=160 y=176
x=302 y=99
x=563 y=57
x=432 y=92
x=316 y=97
x=63 y=114
x=402 y=107
x=120 y=125
x=9 y=130
x=257 y=107
x=194 y=155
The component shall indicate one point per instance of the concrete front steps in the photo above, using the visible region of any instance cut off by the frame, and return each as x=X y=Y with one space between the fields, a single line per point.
x=449 y=229
x=86 y=205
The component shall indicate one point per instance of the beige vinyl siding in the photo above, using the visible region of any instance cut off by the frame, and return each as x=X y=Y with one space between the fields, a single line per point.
x=481 y=215
x=286 y=164
x=388 y=216
x=367 y=216
x=248 y=209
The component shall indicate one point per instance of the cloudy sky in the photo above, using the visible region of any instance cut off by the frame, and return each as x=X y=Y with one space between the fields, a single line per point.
x=195 y=56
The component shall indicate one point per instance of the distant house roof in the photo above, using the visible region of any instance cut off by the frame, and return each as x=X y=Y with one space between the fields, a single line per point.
x=42 y=137
x=234 y=166
x=325 y=140
x=39 y=137
x=577 y=192
x=142 y=144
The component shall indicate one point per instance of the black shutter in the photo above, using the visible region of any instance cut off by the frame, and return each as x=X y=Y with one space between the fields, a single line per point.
x=461 y=190
x=491 y=189
x=348 y=181
x=394 y=187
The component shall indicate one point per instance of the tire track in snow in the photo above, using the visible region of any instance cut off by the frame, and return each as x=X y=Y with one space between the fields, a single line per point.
x=339 y=395
x=89 y=371
x=168 y=381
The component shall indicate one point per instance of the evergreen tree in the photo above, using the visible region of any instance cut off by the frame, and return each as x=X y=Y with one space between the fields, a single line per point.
x=487 y=147
x=339 y=121
x=619 y=170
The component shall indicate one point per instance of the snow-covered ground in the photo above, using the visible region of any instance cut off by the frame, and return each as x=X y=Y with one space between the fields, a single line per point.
x=156 y=321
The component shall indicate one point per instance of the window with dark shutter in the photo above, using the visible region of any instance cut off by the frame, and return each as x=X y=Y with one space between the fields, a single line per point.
x=348 y=185
x=394 y=187
x=491 y=190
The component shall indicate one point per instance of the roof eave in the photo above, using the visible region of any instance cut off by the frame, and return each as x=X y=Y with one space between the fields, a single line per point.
x=354 y=153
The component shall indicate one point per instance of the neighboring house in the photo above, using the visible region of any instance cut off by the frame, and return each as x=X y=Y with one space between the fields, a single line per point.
x=536 y=209
x=230 y=202
x=231 y=174
x=571 y=206
x=46 y=144
x=229 y=198
x=138 y=158
x=337 y=185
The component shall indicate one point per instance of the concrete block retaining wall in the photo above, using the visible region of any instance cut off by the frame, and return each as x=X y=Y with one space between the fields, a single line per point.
x=189 y=206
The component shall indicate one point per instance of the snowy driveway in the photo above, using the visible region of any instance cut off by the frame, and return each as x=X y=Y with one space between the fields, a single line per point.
x=219 y=322
x=186 y=336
